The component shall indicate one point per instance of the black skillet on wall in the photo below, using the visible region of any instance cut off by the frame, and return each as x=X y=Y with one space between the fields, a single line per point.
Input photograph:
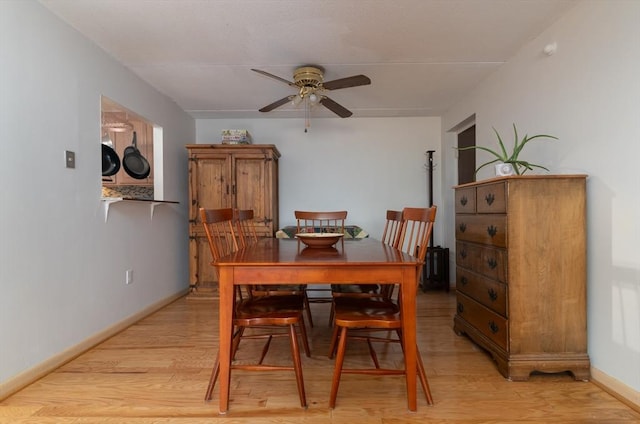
x=110 y=161
x=134 y=163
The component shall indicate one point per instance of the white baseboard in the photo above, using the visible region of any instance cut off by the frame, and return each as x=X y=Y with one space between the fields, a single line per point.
x=616 y=388
x=11 y=386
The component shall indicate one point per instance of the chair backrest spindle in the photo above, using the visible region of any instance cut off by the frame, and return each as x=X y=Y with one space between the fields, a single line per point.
x=320 y=222
x=416 y=230
x=218 y=226
x=245 y=227
x=392 y=228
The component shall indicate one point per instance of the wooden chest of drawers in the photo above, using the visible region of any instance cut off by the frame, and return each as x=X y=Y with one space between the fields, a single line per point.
x=521 y=272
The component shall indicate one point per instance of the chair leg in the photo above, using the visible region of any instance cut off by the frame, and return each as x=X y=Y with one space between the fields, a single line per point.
x=214 y=376
x=297 y=364
x=372 y=353
x=307 y=306
x=422 y=375
x=337 y=370
x=303 y=334
x=235 y=342
x=423 y=378
x=332 y=312
x=334 y=342
x=265 y=349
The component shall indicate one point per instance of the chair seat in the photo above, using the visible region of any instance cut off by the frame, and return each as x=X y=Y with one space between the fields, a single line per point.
x=355 y=288
x=270 y=306
x=366 y=313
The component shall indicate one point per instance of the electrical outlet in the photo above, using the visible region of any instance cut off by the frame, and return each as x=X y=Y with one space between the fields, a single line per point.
x=70 y=159
x=129 y=276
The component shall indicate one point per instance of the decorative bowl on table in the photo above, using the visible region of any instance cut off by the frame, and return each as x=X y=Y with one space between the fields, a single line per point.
x=319 y=240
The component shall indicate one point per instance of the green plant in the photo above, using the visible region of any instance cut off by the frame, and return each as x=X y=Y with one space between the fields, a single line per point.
x=519 y=166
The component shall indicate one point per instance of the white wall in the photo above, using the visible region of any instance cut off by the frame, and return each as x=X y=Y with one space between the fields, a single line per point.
x=588 y=95
x=362 y=165
x=61 y=266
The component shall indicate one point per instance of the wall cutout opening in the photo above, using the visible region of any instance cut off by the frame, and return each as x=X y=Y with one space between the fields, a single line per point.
x=128 y=153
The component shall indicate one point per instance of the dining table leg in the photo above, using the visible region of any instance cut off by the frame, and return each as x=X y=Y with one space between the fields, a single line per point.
x=408 y=290
x=226 y=291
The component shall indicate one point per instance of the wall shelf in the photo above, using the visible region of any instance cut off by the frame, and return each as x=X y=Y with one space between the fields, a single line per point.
x=108 y=201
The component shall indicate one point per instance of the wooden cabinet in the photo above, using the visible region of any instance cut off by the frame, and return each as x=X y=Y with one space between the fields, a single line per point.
x=228 y=176
x=521 y=272
x=122 y=140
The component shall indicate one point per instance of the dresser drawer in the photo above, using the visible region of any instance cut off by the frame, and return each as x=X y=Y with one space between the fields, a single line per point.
x=490 y=293
x=488 y=229
x=487 y=261
x=483 y=319
x=466 y=200
x=492 y=198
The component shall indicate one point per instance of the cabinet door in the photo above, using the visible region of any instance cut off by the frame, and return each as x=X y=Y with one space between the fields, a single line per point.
x=253 y=189
x=210 y=183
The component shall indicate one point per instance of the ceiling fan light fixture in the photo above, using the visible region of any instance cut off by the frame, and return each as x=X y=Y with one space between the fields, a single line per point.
x=296 y=100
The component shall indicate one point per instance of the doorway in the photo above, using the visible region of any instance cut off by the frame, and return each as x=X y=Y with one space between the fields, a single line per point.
x=467 y=158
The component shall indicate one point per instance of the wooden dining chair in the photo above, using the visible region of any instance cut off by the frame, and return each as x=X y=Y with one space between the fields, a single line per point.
x=390 y=236
x=320 y=222
x=382 y=314
x=247 y=235
x=254 y=312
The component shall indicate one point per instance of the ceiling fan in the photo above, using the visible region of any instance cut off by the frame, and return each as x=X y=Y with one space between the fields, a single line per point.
x=309 y=82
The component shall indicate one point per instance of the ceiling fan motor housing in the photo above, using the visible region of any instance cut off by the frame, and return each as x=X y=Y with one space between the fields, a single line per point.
x=308 y=76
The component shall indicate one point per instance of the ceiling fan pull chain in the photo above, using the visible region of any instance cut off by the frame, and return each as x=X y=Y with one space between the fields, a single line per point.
x=307 y=112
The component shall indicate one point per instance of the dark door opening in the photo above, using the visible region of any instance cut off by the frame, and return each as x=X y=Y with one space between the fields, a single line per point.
x=467 y=158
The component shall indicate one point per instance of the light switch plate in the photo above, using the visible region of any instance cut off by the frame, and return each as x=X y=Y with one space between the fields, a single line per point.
x=70 y=159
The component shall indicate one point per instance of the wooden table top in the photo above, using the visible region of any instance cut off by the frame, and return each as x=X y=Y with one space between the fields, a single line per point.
x=282 y=252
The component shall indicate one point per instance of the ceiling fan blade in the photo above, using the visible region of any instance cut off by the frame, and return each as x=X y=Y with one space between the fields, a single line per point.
x=336 y=108
x=353 y=81
x=275 y=104
x=267 y=74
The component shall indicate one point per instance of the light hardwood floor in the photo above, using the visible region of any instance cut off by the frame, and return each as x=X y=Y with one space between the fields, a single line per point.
x=157 y=371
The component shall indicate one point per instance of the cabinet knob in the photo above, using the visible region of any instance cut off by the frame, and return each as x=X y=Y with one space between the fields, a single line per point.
x=462 y=227
x=493 y=295
x=492 y=230
x=493 y=327
x=492 y=263
x=463 y=254
x=460 y=308
x=464 y=281
x=489 y=198
x=463 y=200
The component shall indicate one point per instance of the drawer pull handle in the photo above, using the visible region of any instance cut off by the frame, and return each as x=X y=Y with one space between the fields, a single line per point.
x=493 y=295
x=493 y=327
x=492 y=230
x=464 y=281
x=492 y=263
x=460 y=308
x=463 y=200
x=489 y=198
x=463 y=227
x=463 y=254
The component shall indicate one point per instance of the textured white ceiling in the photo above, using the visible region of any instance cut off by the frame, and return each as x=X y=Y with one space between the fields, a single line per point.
x=421 y=55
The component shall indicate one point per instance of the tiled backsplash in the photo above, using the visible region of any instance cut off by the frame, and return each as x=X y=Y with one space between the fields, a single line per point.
x=138 y=192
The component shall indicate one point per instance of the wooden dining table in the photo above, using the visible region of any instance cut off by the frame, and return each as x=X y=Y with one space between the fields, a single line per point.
x=289 y=261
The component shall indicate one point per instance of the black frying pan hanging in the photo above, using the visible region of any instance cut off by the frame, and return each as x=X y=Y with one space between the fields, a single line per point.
x=134 y=163
x=110 y=161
